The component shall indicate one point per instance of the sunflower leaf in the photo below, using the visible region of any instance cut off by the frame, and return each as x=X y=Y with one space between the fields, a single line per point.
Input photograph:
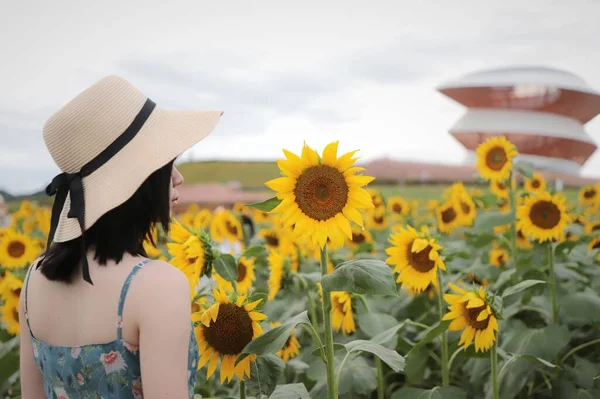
x=523 y=285
x=434 y=393
x=290 y=391
x=487 y=221
x=273 y=340
x=255 y=251
x=429 y=335
x=336 y=347
x=226 y=266
x=388 y=356
x=361 y=276
x=525 y=168
x=266 y=206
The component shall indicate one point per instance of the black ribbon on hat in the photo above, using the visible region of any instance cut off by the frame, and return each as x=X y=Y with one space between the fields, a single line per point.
x=72 y=184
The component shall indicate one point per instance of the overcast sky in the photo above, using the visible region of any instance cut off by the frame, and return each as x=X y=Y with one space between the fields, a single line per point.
x=284 y=72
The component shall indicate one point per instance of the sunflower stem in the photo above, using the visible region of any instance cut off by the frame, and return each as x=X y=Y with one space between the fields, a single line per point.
x=313 y=312
x=513 y=225
x=332 y=389
x=445 y=369
x=494 y=359
x=380 y=379
x=550 y=255
x=242 y=390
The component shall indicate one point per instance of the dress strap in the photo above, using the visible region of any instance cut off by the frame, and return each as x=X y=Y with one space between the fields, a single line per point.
x=124 y=290
x=25 y=298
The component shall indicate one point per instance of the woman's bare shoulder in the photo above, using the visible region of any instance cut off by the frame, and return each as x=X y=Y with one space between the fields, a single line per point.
x=166 y=277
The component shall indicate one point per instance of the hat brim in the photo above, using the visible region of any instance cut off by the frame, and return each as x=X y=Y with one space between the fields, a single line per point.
x=165 y=135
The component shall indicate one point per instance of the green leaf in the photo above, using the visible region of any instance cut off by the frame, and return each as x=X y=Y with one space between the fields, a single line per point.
x=387 y=335
x=226 y=266
x=434 y=393
x=266 y=206
x=581 y=307
x=362 y=276
x=487 y=221
x=525 y=168
x=375 y=323
x=273 y=340
x=265 y=373
x=416 y=365
x=256 y=251
x=523 y=285
x=8 y=346
x=290 y=391
x=544 y=343
x=256 y=296
x=358 y=378
x=336 y=347
x=430 y=334
x=504 y=277
x=388 y=356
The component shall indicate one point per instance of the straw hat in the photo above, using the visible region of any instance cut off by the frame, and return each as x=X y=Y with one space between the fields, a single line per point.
x=107 y=141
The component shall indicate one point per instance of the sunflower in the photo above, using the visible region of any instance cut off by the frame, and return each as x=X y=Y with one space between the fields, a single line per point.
x=503 y=205
x=291 y=348
x=376 y=197
x=432 y=205
x=245 y=277
x=522 y=241
x=225 y=226
x=498 y=257
x=227 y=327
x=260 y=216
x=377 y=219
x=594 y=245
x=448 y=217
x=43 y=221
x=495 y=158
x=543 y=217
x=588 y=195
x=473 y=279
x=432 y=290
x=10 y=287
x=192 y=254
x=274 y=239
x=342 y=317
x=17 y=250
x=592 y=227
x=536 y=184
x=576 y=218
x=319 y=195
x=276 y=263
x=150 y=244
x=415 y=256
x=499 y=189
x=471 y=312
x=359 y=237
x=466 y=208
x=202 y=219
x=398 y=207
x=10 y=317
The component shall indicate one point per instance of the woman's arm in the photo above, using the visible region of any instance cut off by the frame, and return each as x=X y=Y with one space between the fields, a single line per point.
x=165 y=328
x=32 y=384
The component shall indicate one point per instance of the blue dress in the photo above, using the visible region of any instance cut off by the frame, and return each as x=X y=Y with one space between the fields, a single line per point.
x=110 y=370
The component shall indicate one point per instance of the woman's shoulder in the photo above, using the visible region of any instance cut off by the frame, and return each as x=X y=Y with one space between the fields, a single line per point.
x=160 y=274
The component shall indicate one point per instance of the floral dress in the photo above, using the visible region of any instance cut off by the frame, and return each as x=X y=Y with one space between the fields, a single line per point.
x=110 y=370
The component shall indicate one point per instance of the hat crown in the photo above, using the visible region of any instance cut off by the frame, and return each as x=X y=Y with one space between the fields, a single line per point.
x=91 y=121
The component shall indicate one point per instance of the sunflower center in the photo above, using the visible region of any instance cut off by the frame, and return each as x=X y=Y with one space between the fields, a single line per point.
x=195 y=307
x=379 y=219
x=448 y=215
x=272 y=240
x=16 y=249
x=17 y=292
x=358 y=238
x=321 y=192
x=231 y=228
x=596 y=227
x=501 y=186
x=465 y=207
x=496 y=158
x=231 y=332
x=544 y=214
x=420 y=260
x=535 y=183
x=397 y=208
x=596 y=245
x=471 y=315
x=241 y=272
x=590 y=193
x=15 y=314
x=520 y=235
x=501 y=259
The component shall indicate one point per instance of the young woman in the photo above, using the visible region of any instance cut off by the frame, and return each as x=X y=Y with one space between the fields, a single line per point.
x=98 y=318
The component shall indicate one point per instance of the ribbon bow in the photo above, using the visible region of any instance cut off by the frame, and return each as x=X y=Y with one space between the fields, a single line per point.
x=63 y=184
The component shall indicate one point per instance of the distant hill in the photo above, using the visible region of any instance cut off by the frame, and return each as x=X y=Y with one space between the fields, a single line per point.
x=248 y=173
x=7 y=197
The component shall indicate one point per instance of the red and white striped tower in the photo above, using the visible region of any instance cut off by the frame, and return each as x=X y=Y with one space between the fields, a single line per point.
x=541 y=110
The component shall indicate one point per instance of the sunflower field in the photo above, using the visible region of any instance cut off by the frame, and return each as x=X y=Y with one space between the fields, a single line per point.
x=329 y=289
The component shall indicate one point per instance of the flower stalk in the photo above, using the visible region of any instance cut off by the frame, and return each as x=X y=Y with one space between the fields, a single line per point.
x=332 y=388
x=445 y=370
x=550 y=256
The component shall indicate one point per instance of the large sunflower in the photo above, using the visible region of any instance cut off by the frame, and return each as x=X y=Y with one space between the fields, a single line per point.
x=319 y=195
x=543 y=217
x=192 y=254
x=398 y=207
x=495 y=158
x=448 y=217
x=245 y=277
x=17 y=250
x=227 y=327
x=471 y=312
x=10 y=317
x=342 y=317
x=589 y=195
x=291 y=348
x=415 y=256
x=535 y=185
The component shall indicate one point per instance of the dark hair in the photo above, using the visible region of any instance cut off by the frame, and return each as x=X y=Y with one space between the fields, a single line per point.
x=121 y=230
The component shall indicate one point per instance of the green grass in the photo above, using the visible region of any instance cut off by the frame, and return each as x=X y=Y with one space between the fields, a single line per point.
x=249 y=174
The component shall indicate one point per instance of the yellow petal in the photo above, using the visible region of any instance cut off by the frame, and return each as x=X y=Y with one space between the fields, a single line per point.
x=475 y=302
x=252 y=305
x=330 y=154
x=257 y=316
x=212 y=365
x=206 y=355
x=418 y=245
x=282 y=184
x=353 y=214
x=344 y=225
x=483 y=315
